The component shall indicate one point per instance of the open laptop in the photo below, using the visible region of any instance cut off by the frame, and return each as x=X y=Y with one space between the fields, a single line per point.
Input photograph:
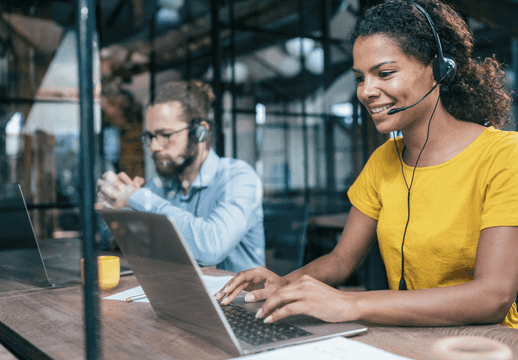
x=20 y=257
x=172 y=281
x=23 y=260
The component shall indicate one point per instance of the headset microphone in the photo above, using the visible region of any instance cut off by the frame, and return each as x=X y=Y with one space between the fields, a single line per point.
x=394 y=111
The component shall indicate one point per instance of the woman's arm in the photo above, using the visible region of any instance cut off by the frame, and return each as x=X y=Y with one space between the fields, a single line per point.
x=486 y=299
x=355 y=242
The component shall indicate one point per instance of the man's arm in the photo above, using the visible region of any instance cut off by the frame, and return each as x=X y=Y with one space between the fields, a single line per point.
x=211 y=239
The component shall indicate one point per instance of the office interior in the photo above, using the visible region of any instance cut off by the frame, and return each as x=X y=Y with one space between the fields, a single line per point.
x=286 y=104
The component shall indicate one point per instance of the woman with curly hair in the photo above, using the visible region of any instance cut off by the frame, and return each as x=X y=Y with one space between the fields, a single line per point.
x=441 y=199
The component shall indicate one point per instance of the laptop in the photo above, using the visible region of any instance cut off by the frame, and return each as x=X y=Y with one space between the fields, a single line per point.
x=24 y=261
x=172 y=281
x=20 y=256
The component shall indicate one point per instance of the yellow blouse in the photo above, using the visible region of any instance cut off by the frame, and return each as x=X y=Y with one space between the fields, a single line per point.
x=450 y=204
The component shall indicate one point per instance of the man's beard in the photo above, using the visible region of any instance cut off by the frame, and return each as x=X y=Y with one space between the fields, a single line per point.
x=167 y=168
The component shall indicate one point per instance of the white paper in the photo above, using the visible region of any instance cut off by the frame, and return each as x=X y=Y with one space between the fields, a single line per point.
x=213 y=284
x=123 y=295
x=329 y=349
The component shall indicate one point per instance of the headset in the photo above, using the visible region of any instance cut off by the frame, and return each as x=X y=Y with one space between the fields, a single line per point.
x=444 y=68
x=197 y=132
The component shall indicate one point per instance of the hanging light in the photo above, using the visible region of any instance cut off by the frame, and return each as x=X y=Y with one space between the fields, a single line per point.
x=241 y=73
x=293 y=46
x=166 y=16
x=315 y=61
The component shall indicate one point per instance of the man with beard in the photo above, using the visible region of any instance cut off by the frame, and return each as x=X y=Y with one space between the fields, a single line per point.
x=216 y=202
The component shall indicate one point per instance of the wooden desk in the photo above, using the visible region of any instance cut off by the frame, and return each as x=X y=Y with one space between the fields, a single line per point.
x=329 y=221
x=52 y=320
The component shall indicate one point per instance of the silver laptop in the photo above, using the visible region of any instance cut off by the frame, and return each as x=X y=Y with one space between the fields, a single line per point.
x=172 y=281
x=20 y=258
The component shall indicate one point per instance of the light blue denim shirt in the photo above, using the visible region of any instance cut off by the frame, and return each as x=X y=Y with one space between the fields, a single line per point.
x=220 y=218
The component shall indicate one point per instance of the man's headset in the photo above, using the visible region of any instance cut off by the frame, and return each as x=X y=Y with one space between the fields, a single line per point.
x=198 y=133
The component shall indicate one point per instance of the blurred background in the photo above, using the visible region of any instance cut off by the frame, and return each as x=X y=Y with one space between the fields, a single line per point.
x=286 y=102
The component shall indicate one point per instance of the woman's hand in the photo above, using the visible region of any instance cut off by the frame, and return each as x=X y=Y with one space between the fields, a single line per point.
x=260 y=281
x=311 y=297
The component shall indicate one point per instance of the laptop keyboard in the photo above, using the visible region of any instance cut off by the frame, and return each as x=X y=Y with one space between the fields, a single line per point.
x=254 y=331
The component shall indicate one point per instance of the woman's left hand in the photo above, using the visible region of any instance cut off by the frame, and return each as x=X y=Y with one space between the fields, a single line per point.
x=311 y=297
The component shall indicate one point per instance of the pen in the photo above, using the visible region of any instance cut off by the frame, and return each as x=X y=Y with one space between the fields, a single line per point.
x=136 y=297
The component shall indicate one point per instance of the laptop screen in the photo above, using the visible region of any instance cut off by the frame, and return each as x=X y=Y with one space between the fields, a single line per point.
x=21 y=263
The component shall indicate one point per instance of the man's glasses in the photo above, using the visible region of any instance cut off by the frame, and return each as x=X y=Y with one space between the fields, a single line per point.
x=163 y=139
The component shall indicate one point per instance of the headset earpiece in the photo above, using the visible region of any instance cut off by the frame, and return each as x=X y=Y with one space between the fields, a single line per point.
x=444 y=69
x=198 y=132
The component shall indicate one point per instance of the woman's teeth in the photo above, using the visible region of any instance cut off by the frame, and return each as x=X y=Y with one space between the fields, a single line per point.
x=382 y=108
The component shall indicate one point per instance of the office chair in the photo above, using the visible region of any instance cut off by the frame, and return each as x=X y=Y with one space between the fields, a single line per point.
x=285 y=228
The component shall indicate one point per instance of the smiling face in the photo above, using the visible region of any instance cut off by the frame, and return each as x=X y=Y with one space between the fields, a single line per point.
x=388 y=78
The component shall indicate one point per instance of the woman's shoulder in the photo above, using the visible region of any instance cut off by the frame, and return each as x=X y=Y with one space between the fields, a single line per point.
x=499 y=133
x=499 y=147
x=500 y=140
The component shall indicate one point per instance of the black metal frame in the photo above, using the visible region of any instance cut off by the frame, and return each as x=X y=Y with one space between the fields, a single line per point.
x=327 y=41
x=218 y=53
x=85 y=30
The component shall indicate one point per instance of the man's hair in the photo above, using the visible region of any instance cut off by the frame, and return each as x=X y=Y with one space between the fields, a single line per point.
x=196 y=98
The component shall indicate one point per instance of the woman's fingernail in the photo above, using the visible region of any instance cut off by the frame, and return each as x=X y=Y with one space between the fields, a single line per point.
x=268 y=319
x=258 y=314
x=249 y=298
x=225 y=290
x=224 y=300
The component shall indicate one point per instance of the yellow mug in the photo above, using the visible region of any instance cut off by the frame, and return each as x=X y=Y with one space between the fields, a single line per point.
x=109 y=271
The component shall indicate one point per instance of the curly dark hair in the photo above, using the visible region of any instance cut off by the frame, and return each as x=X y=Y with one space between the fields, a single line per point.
x=477 y=93
x=196 y=97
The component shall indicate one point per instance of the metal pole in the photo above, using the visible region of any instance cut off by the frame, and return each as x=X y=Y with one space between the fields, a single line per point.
x=216 y=84
x=233 y=87
x=326 y=45
x=328 y=78
x=303 y=100
x=188 y=56
x=286 y=127
x=152 y=65
x=86 y=28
